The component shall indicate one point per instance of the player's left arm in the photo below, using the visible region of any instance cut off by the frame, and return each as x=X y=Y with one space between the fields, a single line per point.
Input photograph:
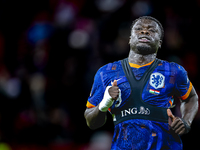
x=189 y=102
x=188 y=108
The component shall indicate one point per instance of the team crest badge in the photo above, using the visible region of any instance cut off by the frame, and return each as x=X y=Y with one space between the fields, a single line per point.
x=157 y=80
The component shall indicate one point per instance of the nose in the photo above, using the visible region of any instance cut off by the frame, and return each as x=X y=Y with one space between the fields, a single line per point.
x=146 y=32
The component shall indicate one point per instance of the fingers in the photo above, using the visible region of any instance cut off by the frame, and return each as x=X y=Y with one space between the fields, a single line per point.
x=180 y=130
x=169 y=113
x=114 y=83
x=178 y=126
x=176 y=123
x=114 y=90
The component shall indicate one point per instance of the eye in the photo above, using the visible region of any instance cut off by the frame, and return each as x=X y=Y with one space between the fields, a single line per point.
x=138 y=28
x=152 y=30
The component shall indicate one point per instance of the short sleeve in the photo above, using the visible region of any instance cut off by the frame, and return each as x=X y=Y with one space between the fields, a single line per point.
x=183 y=86
x=96 y=94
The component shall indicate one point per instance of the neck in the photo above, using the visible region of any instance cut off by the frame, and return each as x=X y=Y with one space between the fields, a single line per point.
x=139 y=59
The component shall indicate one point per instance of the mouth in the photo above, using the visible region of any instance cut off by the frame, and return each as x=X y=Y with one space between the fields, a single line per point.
x=144 y=39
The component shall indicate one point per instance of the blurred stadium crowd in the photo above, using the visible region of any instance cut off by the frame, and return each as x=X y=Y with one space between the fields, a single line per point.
x=50 y=51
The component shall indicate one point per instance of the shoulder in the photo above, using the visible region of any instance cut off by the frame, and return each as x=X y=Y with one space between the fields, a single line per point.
x=172 y=67
x=165 y=62
x=110 y=67
x=108 y=72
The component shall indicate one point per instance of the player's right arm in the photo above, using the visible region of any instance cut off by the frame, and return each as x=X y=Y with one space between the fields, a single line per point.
x=96 y=116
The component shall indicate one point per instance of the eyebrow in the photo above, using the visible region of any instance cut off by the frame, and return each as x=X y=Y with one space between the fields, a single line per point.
x=149 y=26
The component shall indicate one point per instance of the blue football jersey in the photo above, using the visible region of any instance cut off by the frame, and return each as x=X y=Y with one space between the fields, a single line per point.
x=165 y=82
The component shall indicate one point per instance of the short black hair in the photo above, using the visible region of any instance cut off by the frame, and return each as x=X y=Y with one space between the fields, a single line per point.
x=153 y=19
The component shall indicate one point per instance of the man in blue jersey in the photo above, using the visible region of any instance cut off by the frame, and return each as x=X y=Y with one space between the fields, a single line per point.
x=138 y=91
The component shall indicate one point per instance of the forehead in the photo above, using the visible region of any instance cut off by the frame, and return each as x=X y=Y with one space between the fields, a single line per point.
x=146 y=22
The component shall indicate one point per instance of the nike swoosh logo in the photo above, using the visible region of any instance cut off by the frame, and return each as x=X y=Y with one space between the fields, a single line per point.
x=117 y=80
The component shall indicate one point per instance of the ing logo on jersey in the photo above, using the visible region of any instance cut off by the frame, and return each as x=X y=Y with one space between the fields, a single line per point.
x=157 y=80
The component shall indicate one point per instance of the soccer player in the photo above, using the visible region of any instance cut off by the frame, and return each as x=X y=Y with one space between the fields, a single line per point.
x=138 y=91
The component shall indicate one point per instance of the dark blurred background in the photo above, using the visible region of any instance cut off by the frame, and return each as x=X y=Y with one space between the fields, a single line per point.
x=50 y=51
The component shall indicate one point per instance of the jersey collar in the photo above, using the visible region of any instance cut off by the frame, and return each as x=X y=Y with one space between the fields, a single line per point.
x=138 y=66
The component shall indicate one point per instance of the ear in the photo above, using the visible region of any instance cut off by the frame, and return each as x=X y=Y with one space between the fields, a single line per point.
x=129 y=39
x=160 y=43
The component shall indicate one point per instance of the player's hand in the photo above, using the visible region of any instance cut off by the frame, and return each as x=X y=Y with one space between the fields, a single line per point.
x=114 y=90
x=178 y=125
x=110 y=95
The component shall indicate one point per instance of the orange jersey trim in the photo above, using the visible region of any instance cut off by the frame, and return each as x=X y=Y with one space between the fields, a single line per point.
x=89 y=105
x=184 y=97
x=170 y=102
x=138 y=66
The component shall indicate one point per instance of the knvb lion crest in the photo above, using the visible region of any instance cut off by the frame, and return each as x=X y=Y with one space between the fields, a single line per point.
x=157 y=80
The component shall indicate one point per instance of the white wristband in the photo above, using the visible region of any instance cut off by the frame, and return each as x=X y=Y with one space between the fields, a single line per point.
x=106 y=101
